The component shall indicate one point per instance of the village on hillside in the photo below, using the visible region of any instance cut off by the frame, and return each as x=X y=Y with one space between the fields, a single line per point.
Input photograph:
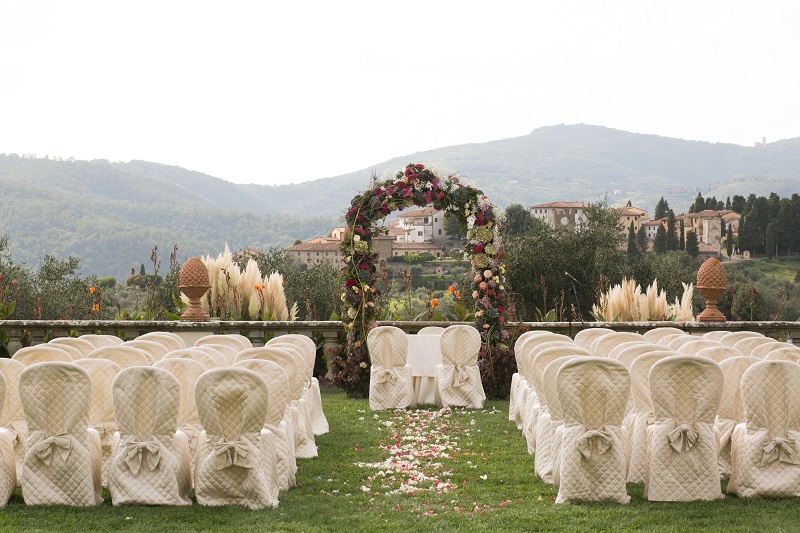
x=422 y=230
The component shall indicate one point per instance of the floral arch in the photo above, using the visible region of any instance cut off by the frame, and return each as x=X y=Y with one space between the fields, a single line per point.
x=419 y=186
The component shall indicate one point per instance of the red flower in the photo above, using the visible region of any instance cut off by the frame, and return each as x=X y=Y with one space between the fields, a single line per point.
x=384 y=209
x=419 y=166
x=408 y=191
x=350 y=283
x=501 y=309
x=363 y=266
x=428 y=197
x=439 y=196
x=409 y=172
x=477 y=249
x=361 y=217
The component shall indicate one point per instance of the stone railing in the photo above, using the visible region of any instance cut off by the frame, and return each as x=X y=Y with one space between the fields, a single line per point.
x=30 y=332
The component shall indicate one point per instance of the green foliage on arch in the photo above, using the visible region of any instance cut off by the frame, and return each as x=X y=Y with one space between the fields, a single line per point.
x=420 y=186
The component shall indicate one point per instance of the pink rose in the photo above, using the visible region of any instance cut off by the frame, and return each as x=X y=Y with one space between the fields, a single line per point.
x=482 y=286
x=477 y=278
x=487 y=274
x=474 y=294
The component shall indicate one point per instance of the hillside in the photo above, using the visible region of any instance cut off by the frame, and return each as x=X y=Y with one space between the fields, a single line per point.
x=111 y=214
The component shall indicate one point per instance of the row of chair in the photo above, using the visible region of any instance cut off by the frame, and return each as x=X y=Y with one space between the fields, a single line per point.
x=681 y=401
x=457 y=381
x=124 y=398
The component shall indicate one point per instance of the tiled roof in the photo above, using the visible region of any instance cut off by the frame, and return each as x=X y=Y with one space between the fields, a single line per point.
x=329 y=246
x=570 y=205
x=414 y=213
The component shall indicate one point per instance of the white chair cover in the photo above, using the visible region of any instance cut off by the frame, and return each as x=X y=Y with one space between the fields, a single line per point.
x=236 y=461
x=656 y=334
x=431 y=330
x=240 y=342
x=124 y=356
x=715 y=335
x=98 y=341
x=720 y=353
x=172 y=341
x=731 y=407
x=677 y=342
x=73 y=352
x=551 y=472
x=694 y=346
x=41 y=353
x=101 y=413
x=8 y=459
x=63 y=457
x=603 y=345
x=748 y=344
x=666 y=339
x=593 y=393
x=208 y=357
x=12 y=417
x=682 y=444
x=732 y=337
x=765 y=450
x=629 y=354
x=458 y=378
x=150 y=461
x=155 y=350
x=764 y=348
x=186 y=371
x=277 y=421
x=586 y=337
x=390 y=382
x=621 y=347
x=82 y=345
x=790 y=353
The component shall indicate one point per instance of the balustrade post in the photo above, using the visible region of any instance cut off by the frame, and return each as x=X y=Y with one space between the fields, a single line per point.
x=329 y=346
x=15 y=336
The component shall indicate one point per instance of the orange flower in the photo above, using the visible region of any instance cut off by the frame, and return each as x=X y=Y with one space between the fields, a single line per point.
x=91 y=290
x=451 y=289
x=96 y=307
x=434 y=303
x=14 y=282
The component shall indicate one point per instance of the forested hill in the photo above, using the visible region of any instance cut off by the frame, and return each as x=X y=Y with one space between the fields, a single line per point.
x=111 y=214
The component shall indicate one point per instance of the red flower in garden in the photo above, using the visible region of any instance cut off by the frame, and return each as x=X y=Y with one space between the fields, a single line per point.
x=350 y=283
x=477 y=249
x=408 y=191
x=420 y=166
x=428 y=196
x=434 y=303
x=363 y=266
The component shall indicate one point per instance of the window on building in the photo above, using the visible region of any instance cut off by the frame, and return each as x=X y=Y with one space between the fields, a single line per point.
x=440 y=231
x=419 y=234
x=425 y=220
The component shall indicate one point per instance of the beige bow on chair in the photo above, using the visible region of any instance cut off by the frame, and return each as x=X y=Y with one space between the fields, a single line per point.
x=134 y=451
x=44 y=449
x=682 y=438
x=460 y=375
x=230 y=453
x=106 y=431
x=778 y=449
x=594 y=440
x=386 y=374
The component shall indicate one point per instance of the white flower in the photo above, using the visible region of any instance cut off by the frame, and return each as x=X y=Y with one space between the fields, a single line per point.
x=484 y=476
x=356 y=238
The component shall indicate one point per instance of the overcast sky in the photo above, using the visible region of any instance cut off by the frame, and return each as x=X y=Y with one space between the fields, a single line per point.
x=286 y=91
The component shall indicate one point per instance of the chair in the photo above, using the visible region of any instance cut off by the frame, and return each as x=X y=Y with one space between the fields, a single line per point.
x=748 y=344
x=240 y=342
x=715 y=335
x=41 y=353
x=765 y=455
x=604 y=344
x=789 y=353
x=619 y=348
x=764 y=348
x=98 y=341
x=8 y=459
x=694 y=346
x=82 y=345
x=676 y=342
x=458 y=378
x=390 y=383
x=74 y=353
x=63 y=456
x=681 y=443
x=720 y=353
x=172 y=341
x=656 y=334
x=277 y=420
x=124 y=356
x=731 y=407
x=186 y=371
x=586 y=337
x=733 y=337
x=593 y=393
x=154 y=350
x=431 y=330
x=12 y=417
x=319 y=423
x=101 y=413
x=235 y=464
x=666 y=339
x=207 y=357
x=228 y=352
x=629 y=354
x=150 y=461
x=556 y=420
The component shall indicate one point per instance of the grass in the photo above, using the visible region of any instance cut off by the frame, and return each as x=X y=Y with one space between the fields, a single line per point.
x=486 y=467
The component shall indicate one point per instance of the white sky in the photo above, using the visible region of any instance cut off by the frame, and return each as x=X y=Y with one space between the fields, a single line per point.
x=286 y=91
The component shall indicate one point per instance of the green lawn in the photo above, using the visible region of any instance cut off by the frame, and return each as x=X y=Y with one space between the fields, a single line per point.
x=475 y=462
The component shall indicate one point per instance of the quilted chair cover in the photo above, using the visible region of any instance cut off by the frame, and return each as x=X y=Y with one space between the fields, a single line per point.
x=715 y=335
x=82 y=345
x=41 y=353
x=150 y=462
x=765 y=450
x=731 y=338
x=172 y=341
x=656 y=334
x=240 y=342
x=204 y=357
x=73 y=352
x=431 y=330
x=695 y=345
x=124 y=356
x=556 y=418
x=229 y=352
x=319 y=424
x=629 y=354
x=764 y=348
x=236 y=463
x=666 y=339
x=603 y=345
x=292 y=364
x=63 y=457
x=593 y=393
x=154 y=349
x=458 y=379
x=586 y=337
x=642 y=417
x=619 y=348
x=390 y=382
x=101 y=412
x=720 y=353
x=8 y=459
x=731 y=407
x=186 y=372
x=748 y=344
x=529 y=401
x=98 y=341
x=519 y=385
x=277 y=421
x=12 y=417
x=790 y=353
x=681 y=443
